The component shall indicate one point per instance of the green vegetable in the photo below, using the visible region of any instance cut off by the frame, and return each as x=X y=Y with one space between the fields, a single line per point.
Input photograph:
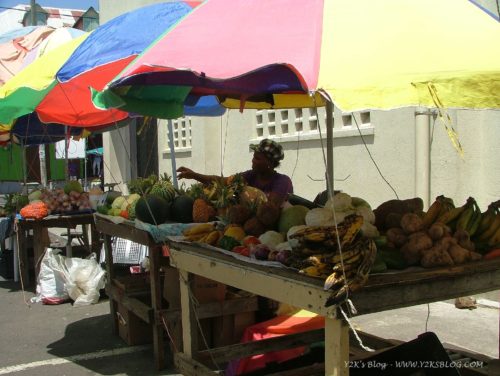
x=393 y=259
x=379 y=266
x=228 y=243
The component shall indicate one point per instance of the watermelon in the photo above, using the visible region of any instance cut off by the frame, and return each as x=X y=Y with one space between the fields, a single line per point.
x=182 y=209
x=152 y=209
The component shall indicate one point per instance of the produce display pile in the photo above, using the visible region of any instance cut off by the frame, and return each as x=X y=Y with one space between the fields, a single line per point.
x=339 y=240
x=444 y=235
x=42 y=202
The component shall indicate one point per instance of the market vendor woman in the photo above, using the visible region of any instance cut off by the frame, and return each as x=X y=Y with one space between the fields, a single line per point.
x=263 y=175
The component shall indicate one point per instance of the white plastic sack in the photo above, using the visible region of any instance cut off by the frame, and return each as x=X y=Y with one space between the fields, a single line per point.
x=87 y=277
x=51 y=282
x=63 y=277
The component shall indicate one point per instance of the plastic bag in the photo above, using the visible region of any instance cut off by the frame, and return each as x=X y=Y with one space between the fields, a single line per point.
x=87 y=277
x=63 y=277
x=51 y=281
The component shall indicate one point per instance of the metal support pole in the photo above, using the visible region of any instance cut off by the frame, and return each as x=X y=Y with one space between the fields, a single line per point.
x=329 y=148
x=172 y=153
x=422 y=155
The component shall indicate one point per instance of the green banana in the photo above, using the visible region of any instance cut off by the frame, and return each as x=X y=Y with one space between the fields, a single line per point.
x=487 y=219
x=466 y=216
x=475 y=220
x=486 y=235
x=495 y=238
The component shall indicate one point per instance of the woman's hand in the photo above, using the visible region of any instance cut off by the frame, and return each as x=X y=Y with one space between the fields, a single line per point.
x=185 y=173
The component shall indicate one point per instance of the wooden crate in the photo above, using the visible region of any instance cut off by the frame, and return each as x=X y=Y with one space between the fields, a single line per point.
x=131 y=328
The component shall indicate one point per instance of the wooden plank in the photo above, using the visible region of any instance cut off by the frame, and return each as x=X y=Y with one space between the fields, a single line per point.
x=139 y=308
x=189 y=323
x=270 y=282
x=216 y=309
x=398 y=295
x=156 y=297
x=123 y=231
x=243 y=350
x=336 y=347
x=190 y=367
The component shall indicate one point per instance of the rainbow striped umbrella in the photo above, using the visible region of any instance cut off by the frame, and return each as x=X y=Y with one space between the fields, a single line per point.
x=362 y=54
x=57 y=86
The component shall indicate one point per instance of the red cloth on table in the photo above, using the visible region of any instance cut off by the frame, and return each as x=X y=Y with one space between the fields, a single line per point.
x=301 y=321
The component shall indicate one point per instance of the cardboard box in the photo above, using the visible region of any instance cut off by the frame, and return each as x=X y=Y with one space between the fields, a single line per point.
x=131 y=328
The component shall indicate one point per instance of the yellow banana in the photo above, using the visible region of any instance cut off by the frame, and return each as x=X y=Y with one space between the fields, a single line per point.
x=346 y=255
x=198 y=229
x=213 y=237
x=312 y=271
x=433 y=212
x=333 y=279
x=450 y=215
x=196 y=237
x=315 y=237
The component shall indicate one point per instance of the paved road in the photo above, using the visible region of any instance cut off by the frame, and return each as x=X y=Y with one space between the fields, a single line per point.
x=59 y=340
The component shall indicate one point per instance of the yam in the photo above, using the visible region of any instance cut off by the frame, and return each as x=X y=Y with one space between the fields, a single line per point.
x=438 y=230
x=411 y=222
x=396 y=236
x=436 y=257
x=411 y=205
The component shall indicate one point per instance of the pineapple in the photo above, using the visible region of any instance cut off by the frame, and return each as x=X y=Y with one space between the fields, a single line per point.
x=203 y=211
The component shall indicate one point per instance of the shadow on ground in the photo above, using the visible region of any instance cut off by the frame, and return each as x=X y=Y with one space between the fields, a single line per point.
x=91 y=344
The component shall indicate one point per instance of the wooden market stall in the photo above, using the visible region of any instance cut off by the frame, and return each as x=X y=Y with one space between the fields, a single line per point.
x=163 y=319
x=381 y=292
x=41 y=239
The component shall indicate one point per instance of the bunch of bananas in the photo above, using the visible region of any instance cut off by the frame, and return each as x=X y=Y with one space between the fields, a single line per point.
x=488 y=230
x=466 y=217
x=203 y=233
x=344 y=269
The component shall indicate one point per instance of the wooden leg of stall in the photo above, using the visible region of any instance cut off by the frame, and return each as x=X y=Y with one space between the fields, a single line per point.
x=336 y=347
x=41 y=240
x=22 y=254
x=156 y=296
x=108 y=249
x=189 y=326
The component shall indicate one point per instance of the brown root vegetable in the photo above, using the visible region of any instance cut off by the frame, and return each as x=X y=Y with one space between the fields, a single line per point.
x=463 y=240
x=411 y=256
x=436 y=256
x=474 y=256
x=392 y=220
x=396 y=236
x=438 y=231
x=411 y=222
x=461 y=255
x=415 y=247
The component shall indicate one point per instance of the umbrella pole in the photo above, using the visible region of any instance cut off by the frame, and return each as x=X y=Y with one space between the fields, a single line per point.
x=23 y=156
x=172 y=153
x=422 y=154
x=85 y=168
x=66 y=146
x=329 y=148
